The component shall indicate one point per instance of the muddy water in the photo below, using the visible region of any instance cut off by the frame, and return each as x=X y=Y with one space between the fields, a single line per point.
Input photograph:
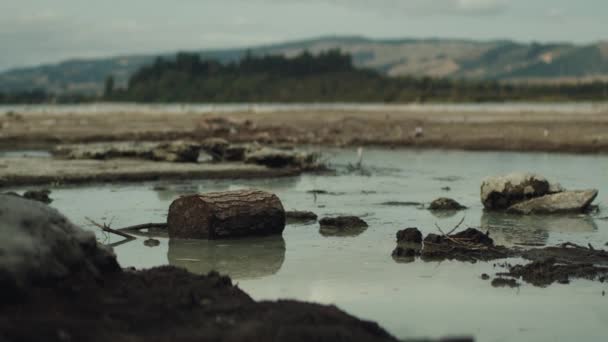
x=357 y=272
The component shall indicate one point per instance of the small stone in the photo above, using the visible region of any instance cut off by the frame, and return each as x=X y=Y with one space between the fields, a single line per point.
x=485 y=276
x=343 y=222
x=300 y=216
x=39 y=195
x=444 y=203
x=151 y=243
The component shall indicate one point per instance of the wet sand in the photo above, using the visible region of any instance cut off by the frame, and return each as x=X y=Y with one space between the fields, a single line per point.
x=511 y=128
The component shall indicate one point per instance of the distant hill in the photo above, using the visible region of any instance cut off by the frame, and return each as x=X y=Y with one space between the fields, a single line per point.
x=491 y=60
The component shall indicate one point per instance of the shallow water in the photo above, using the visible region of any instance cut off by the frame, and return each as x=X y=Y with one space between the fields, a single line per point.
x=357 y=273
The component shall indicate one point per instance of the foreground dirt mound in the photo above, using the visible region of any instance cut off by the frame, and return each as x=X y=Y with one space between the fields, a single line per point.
x=59 y=284
x=169 y=304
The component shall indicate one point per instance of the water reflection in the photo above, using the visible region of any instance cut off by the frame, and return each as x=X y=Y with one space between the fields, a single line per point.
x=341 y=232
x=240 y=259
x=509 y=229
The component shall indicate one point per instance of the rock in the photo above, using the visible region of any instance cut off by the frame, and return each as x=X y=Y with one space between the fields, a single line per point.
x=236 y=152
x=501 y=192
x=563 y=202
x=343 y=222
x=41 y=245
x=342 y=226
x=226 y=214
x=39 y=195
x=409 y=235
x=300 y=216
x=215 y=147
x=177 y=151
x=472 y=235
x=444 y=203
x=485 y=276
x=151 y=243
x=275 y=158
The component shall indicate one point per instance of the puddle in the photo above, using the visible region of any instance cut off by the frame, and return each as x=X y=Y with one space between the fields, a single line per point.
x=357 y=272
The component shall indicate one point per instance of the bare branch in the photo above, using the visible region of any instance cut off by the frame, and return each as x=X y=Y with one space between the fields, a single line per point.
x=107 y=229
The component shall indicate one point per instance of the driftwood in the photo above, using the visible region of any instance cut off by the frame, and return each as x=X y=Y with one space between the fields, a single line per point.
x=226 y=214
x=106 y=228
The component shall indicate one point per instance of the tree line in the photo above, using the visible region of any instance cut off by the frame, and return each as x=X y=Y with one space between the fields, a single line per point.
x=325 y=77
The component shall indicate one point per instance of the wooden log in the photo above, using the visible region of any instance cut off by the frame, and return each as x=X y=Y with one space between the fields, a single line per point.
x=226 y=214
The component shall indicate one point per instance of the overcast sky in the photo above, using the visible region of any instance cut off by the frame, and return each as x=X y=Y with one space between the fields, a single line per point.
x=40 y=31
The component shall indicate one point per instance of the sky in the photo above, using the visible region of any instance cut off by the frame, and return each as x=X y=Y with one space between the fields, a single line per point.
x=40 y=31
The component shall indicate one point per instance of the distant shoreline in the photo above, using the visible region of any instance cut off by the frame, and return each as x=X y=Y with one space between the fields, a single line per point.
x=507 y=129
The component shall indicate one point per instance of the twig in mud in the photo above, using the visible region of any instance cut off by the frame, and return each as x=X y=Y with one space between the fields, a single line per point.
x=447 y=236
x=457 y=226
x=107 y=229
x=139 y=227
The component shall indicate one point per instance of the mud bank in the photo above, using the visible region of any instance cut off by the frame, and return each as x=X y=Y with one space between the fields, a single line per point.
x=40 y=171
x=170 y=304
x=509 y=129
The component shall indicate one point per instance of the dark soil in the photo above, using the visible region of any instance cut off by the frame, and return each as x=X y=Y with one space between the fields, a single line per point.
x=169 y=304
x=469 y=245
x=446 y=204
x=549 y=265
x=546 y=272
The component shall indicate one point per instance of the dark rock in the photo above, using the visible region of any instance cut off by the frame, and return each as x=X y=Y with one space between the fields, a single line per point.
x=472 y=235
x=469 y=245
x=505 y=282
x=342 y=222
x=501 y=192
x=342 y=226
x=444 y=203
x=177 y=151
x=151 y=243
x=433 y=238
x=39 y=195
x=411 y=235
x=300 y=216
x=39 y=245
x=275 y=158
x=485 y=276
x=215 y=147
